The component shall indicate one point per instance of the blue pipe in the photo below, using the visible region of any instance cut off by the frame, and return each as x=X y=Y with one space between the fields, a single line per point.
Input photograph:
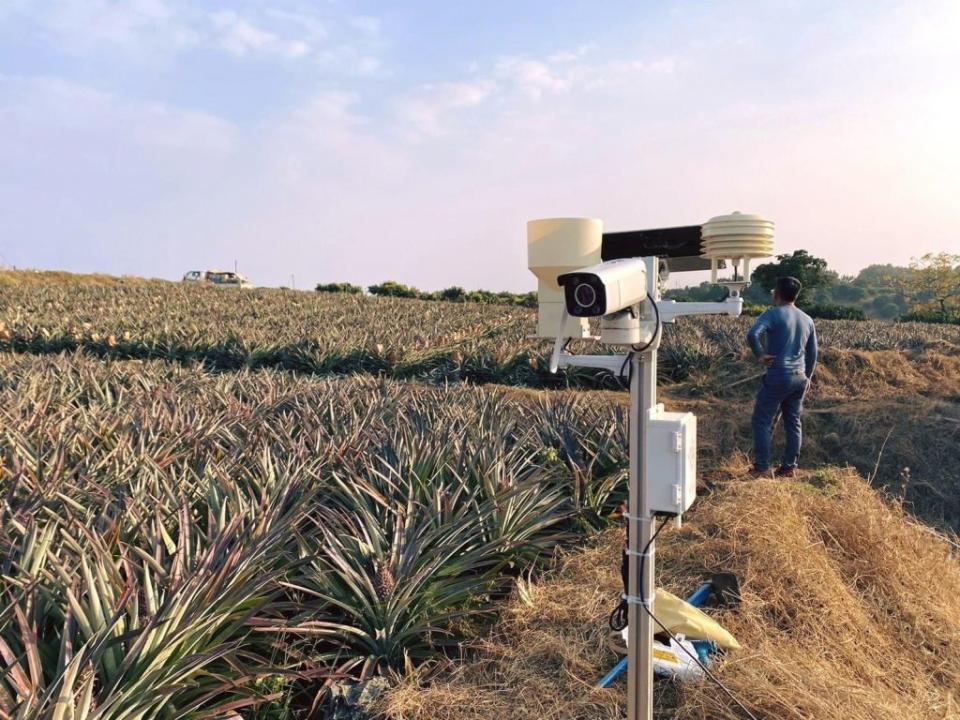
x=703 y=647
x=608 y=679
x=700 y=595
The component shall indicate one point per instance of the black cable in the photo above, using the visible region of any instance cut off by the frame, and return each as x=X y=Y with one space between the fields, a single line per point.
x=693 y=656
x=706 y=671
x=618 y=621
x=656 y=333
x=618 y=618
x=653 y=338
x=626 y=360
x=643 y=553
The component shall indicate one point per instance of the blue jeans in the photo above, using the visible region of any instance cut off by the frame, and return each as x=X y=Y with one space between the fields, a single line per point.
x=785 y=393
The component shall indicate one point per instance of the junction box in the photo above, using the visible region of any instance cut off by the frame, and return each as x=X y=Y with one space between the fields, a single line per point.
x=671 y=459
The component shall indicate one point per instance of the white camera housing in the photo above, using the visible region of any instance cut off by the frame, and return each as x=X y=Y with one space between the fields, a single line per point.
x=605 y=288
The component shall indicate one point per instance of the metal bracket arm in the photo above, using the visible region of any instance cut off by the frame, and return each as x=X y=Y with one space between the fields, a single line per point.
x=671 y=309
x=561 y=358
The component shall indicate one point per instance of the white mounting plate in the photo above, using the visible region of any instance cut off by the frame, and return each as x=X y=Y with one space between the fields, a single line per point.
x=616 y=364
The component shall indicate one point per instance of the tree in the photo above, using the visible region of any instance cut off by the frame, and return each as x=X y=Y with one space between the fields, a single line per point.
x=933 y=284
x=340 y=287
x=704 y=292
x=455 y=293
x=811 y=271
x=845 y=292
x=391 y=288
x=887 y=307
x=878 y=277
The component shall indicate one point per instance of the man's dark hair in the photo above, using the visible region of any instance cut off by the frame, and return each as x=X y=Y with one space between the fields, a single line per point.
x=788 y=288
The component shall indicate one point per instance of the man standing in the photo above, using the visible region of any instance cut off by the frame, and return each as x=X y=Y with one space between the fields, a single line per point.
x=784 y=340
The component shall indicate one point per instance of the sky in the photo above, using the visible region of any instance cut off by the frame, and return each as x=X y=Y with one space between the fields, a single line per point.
x=364 y=141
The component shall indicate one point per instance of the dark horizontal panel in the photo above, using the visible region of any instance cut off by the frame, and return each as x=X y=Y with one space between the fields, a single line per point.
x=672 y=242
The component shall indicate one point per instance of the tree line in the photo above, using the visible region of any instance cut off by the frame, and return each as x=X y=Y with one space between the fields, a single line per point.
x=454 y=293
x=928 y=290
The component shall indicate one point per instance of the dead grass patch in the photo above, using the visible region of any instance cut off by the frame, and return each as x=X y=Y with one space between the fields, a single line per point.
x=851 y=610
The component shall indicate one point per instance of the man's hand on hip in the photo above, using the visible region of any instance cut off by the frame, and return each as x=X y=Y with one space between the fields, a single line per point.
x=766 y=360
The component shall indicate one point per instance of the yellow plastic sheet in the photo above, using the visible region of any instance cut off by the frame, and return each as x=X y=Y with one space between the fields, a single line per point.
x=680 y=617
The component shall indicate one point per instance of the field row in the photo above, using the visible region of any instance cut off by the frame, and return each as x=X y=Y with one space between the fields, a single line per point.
x=173 y=539
x=341 y=334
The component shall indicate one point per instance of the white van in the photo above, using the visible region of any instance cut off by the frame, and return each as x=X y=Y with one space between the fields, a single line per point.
x=223 y=278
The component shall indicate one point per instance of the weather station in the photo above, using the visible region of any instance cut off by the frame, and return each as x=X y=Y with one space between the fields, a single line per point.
x=613 y=281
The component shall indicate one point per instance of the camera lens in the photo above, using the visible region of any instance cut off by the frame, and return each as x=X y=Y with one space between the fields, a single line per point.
x=585 y=295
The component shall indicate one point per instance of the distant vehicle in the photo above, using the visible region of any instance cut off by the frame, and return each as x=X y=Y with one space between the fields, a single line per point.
x=217 y=277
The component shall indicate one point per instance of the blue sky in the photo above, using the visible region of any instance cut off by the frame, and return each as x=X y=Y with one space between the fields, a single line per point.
x=366 y=141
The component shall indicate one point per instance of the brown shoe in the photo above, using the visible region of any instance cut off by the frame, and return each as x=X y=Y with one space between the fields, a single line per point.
x=786 y=471
x=761 y=474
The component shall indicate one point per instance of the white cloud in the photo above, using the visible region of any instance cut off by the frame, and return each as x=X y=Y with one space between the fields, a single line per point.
x=141 y=27
x=565 y=71
x=427 y=109
x=35 y=107
x=306 y=24
x=431 y=110
x=534 y=77
x=240 y=37
x=565 y=56
x=158 y=31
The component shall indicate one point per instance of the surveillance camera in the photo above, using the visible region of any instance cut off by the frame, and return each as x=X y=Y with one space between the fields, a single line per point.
x=604 y=288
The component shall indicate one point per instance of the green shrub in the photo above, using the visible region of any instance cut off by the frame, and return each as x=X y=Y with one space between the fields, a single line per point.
x=835 y=312
x=930 y=316
x=821 y=311
x=394 y=289
x=453 y=294
x=341 y=287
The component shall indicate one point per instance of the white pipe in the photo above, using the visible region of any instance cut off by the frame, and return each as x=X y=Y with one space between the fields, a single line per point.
x=643 y=397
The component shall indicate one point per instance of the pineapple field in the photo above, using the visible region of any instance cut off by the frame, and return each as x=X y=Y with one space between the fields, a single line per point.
x=322 y=333
x=173 y=538
x=223 y=503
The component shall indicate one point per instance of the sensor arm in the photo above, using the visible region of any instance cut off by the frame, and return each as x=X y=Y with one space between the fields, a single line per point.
x=561 y=358
x=670 y=310
x=559 y=344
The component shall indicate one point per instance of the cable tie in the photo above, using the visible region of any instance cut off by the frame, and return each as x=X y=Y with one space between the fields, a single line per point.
x=638 y=554
x=628 y=516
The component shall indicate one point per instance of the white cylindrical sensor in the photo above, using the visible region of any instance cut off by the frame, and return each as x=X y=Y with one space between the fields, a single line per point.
x=556 y=246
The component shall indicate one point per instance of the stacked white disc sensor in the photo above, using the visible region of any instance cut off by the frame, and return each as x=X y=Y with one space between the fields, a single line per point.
x=736 y=237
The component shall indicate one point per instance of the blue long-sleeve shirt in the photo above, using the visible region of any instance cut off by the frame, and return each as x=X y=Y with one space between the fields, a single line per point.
x=787 y=333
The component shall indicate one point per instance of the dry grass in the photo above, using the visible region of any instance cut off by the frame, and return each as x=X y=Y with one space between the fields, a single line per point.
x=862 y=374
x=544 y=657
x=842 y=374
x=39 y=278
x=894 y=415
x=851 y=610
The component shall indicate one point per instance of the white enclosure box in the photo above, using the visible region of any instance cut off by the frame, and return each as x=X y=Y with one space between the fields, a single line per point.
x=671 y=460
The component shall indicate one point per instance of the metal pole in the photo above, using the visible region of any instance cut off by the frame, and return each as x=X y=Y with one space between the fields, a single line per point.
x=643 y=397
